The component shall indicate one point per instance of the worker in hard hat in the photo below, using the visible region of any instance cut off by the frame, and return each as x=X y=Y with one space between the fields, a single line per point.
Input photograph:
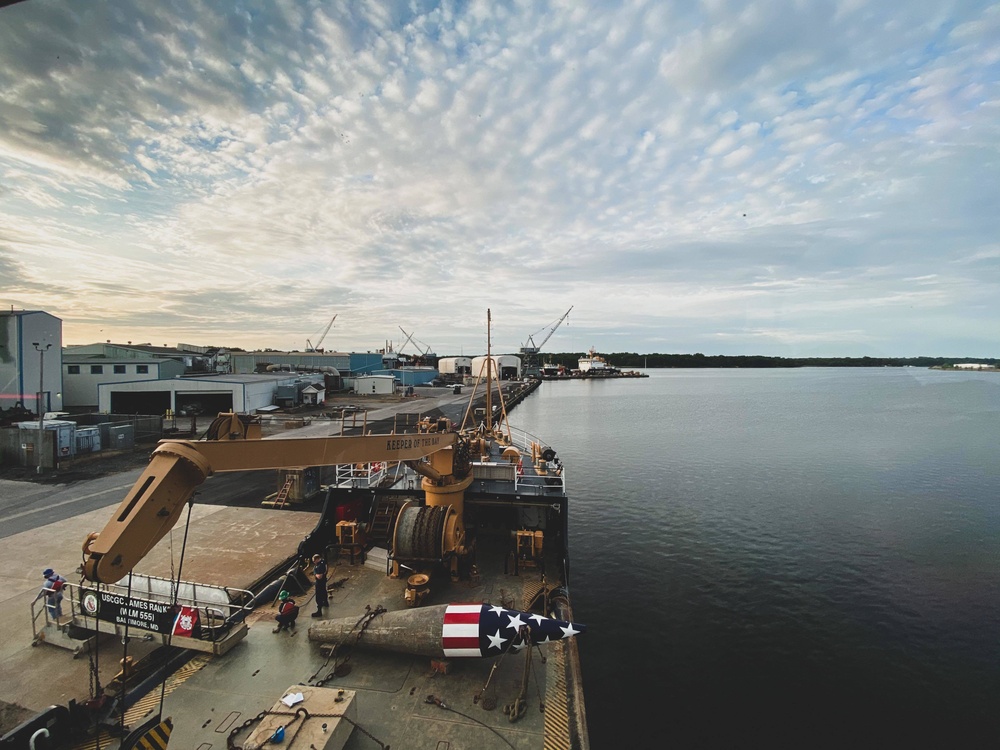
x=288 y=610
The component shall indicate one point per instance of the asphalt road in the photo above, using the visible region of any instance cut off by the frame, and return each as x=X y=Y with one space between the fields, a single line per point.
x=25 y=505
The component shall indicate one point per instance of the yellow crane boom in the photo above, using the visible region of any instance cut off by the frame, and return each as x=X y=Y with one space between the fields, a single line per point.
x=177 y=467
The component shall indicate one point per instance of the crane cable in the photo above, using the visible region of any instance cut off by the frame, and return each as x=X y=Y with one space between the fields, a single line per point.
x=94 y=650
x=176 y=584
x=128 y=599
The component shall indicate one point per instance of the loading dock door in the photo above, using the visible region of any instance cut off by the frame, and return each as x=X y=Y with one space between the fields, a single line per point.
x=140 y=402
x=207 y=403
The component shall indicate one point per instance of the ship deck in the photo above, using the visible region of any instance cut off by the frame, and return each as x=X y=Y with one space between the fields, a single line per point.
x=213 y=694
x=398 y=698
x=391 y=689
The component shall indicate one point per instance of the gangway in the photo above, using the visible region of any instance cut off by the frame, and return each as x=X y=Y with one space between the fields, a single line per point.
x=184 y=614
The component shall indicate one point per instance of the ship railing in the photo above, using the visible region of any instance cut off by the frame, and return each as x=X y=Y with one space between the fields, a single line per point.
x=41 y=616
x=522 y=440
x=504 y=476
x=541 y=484
x=528 y=479
x=363 y=474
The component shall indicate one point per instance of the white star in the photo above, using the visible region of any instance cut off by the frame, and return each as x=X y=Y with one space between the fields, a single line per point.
x=496 y=641
x=567 y=632
x=515 y=621
x=496 y=610
x=538 y=618
x=519 y=646
x=546 y=639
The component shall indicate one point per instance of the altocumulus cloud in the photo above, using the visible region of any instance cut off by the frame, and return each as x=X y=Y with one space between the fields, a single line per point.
x=726 y=177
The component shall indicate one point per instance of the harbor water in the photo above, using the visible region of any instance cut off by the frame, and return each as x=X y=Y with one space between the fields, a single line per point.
x=802 y=558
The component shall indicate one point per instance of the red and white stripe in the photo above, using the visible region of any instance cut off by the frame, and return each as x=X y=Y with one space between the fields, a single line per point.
x=460 y=634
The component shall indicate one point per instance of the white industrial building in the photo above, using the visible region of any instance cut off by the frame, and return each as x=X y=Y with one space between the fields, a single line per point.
x=374 y=385
x=204 y=395
x=455 y=365
x=30 y=360
x=83 y=374
x=505 y=367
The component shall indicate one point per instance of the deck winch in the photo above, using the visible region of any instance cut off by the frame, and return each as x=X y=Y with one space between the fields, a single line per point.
x=432 y=533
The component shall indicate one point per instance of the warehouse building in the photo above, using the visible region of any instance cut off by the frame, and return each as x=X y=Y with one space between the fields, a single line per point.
x=83 y=374
x=347 y=364
x=505 y=367
x=455 y=365
x=200 y=395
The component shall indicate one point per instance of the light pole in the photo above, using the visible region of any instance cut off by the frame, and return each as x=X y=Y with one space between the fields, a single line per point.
x=41 y=392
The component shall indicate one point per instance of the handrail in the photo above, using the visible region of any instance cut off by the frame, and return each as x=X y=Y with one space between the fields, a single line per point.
x=362 y=474
x=44 y=612
x=373 y=474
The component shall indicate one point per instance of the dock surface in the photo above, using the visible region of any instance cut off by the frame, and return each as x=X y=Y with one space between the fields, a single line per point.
x=226 y=546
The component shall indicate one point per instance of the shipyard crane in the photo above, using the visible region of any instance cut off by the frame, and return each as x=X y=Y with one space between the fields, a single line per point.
x=529 y=351
x=319 y=341
x=425 y=352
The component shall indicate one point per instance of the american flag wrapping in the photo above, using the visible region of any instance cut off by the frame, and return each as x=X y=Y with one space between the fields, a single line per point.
x=489 y=630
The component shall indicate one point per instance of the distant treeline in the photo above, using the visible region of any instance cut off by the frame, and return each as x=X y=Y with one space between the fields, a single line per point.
x=631 y=360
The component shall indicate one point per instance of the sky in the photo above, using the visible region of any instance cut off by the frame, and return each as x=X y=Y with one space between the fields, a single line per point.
x=800 y=178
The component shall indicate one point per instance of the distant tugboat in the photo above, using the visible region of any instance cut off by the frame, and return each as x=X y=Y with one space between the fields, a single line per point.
x=552 y=371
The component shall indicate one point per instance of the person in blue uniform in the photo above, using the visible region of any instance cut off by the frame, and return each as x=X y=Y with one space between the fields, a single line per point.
x=319 y=573
x=52 y=591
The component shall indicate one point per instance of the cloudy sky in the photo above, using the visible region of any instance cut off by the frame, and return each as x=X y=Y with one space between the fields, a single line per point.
x=790 y=178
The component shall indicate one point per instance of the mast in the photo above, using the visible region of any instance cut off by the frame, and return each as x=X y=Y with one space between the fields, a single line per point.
x=489 y=372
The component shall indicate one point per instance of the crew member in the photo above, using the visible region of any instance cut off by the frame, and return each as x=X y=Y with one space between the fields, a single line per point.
x=288 y=610
x=52 y=591
x=319 y=572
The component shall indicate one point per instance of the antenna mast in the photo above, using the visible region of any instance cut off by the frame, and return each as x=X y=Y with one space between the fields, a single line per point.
x=489 y=370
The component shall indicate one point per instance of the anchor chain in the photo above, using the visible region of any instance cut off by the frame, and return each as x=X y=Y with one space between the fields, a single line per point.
x=490 y=701
x=340 y=665
x=300 y=713
x=519 y=706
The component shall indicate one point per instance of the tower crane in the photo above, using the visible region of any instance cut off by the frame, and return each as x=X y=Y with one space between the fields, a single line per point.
x=529 y=351
x=319 y=341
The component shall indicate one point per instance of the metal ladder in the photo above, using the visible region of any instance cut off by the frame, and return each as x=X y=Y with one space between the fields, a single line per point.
x=383 y=520
x=282 y=497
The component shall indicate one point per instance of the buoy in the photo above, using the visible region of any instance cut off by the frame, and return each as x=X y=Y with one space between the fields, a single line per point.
x=448 y=630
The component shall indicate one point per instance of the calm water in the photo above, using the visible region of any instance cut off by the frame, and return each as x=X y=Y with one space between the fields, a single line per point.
x=796 y=557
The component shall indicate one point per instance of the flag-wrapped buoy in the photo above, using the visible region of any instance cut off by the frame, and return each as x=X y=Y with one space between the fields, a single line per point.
x=447 y=630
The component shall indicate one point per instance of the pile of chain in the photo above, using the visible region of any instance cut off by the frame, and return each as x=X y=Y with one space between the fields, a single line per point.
x=515 y=710
x=299 y=713
x=341 y=666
